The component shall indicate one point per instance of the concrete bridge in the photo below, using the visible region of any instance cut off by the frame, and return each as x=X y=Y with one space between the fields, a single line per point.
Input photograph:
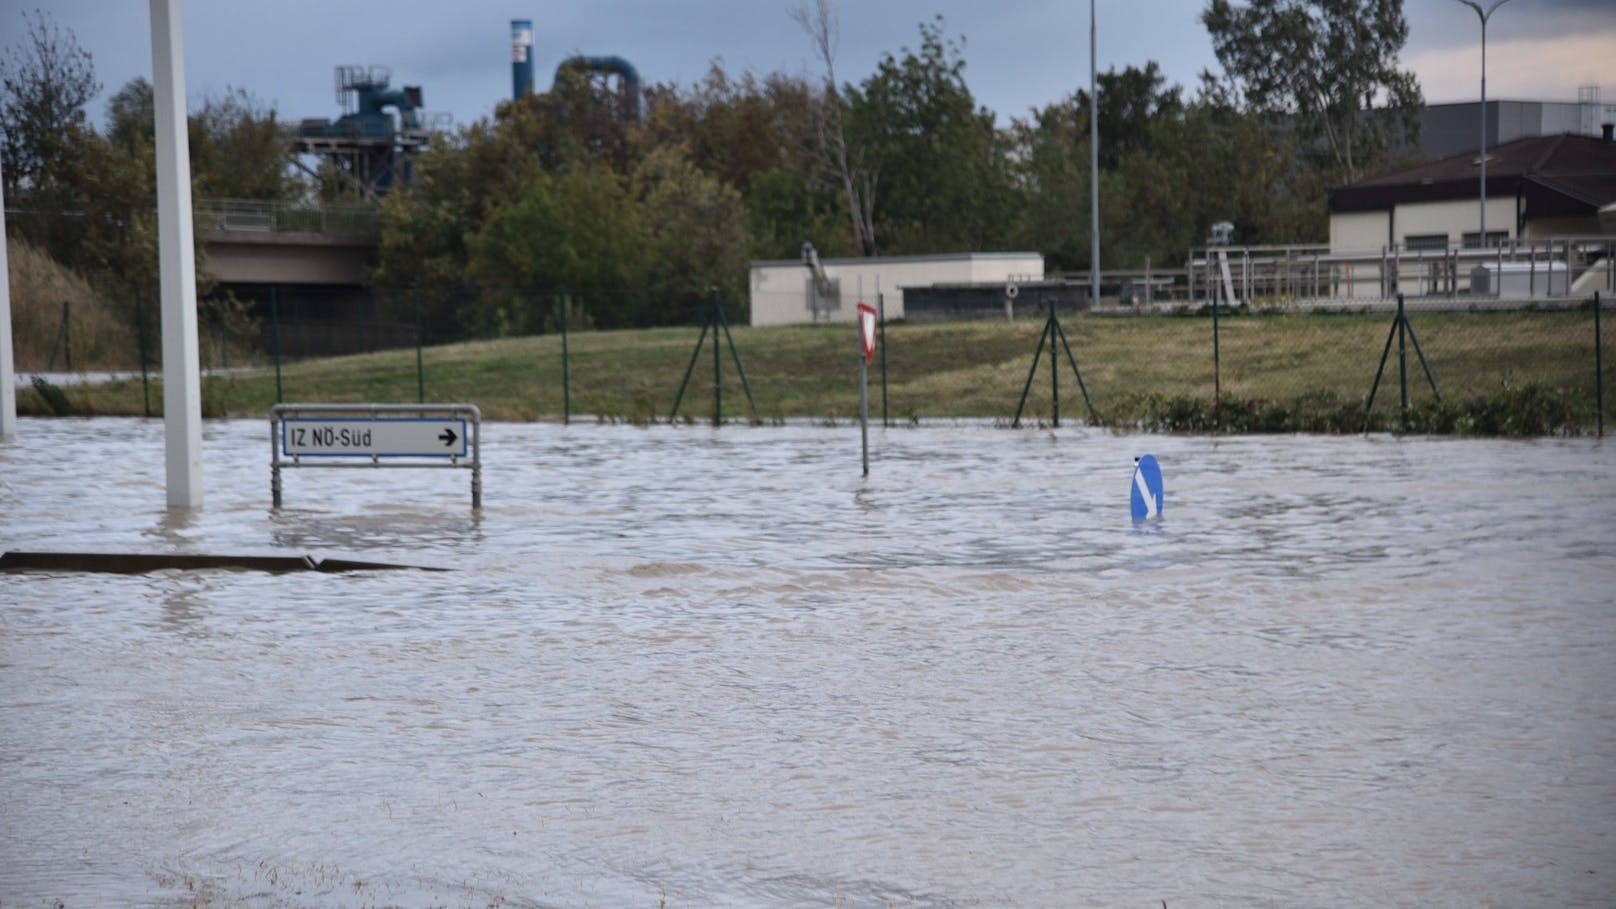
x=305 y=272
x=266 y=244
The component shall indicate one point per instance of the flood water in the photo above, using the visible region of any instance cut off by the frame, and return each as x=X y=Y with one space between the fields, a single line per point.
x=681 y=667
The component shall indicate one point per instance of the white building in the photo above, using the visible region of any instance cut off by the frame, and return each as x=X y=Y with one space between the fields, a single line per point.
x=784 y=291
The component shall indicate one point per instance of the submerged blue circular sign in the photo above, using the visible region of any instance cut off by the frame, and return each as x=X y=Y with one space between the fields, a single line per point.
x=1146 y=497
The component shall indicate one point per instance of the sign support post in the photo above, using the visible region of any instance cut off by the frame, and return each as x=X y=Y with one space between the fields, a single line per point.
x=867 y=320
x=8 y=383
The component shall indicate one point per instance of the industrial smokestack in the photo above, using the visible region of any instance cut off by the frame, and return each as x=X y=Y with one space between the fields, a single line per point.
x=521 y=58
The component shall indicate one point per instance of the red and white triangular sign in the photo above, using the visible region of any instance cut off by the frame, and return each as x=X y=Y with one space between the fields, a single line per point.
x=866 y=318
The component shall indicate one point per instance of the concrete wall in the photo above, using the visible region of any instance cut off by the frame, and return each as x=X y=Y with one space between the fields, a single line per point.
x=1541 y=228
x=781 y=289
x=1357 y=231
x=1454 y=218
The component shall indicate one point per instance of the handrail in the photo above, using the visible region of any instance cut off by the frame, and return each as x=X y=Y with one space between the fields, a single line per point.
x=274 y=216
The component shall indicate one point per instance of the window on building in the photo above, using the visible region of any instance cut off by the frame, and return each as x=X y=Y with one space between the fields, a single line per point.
x=1494 y=238
x=1415 y=242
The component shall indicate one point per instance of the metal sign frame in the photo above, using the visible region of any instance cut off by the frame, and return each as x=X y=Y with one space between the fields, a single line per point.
x=281 y=414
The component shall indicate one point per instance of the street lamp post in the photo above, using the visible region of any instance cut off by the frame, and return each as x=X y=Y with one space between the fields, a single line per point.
x=1094 y=162
x=1484 y=15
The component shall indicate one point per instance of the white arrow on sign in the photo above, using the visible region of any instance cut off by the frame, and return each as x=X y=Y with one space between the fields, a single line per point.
x=380 y=437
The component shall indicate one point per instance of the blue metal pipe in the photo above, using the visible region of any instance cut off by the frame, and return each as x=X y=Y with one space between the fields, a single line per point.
x=616 y=66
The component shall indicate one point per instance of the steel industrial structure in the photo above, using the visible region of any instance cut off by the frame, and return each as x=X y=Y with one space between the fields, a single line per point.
x=372 y=146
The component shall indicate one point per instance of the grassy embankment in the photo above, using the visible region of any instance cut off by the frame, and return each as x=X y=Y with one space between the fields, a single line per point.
x=1521 y=373
x=45 y=299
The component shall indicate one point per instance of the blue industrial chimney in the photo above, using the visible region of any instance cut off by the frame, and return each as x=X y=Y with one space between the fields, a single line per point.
x=521 y=58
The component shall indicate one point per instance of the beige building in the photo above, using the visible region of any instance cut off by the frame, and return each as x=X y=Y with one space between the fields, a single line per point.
x=786 y=292
x=1417 y=231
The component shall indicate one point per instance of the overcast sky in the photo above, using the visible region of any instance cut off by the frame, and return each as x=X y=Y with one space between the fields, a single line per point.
x=1019 y=54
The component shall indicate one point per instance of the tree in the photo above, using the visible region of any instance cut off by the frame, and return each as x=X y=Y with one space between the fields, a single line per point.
x=844 y=161
x=1326 y=65
x=132 y=115
x=44 y=85
x=1131 y=103
x=573 y=230
x=1051 y=152
x=696 y=233
x=945 y=179
x=757 y=137
x=237 y=151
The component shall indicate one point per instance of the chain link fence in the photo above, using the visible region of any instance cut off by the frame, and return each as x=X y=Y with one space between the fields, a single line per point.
x=1427 y=366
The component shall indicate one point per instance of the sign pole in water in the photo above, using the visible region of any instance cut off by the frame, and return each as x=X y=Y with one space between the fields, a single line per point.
x=867 y=322
x=8 y=384
x=1147 y=498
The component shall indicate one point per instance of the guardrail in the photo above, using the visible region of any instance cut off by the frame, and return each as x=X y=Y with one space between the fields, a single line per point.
x=258 y=216
x=376 y=435
x=1549 y=268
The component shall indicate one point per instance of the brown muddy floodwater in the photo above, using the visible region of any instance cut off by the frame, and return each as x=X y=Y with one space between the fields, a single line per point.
x=686 y=667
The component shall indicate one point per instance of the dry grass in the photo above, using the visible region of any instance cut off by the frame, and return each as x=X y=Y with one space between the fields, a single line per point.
x=96 y=336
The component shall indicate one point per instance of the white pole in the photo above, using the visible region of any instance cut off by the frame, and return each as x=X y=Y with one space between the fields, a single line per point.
x=8 y=369
x=1094 y=160
x=182 y=386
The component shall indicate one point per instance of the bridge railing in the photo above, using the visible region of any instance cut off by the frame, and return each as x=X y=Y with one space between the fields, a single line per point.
x=260 y=216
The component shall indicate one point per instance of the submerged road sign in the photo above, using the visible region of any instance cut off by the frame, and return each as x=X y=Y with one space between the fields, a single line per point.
x=376 y=435
x=1147 y=497
x=381 y=437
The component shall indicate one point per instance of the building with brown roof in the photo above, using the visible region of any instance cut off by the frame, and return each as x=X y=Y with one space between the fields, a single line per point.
x=1537 y=187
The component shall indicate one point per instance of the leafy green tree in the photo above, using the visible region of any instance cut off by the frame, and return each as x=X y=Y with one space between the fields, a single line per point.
x=755 y=136
x=1329 y=66
x=1052 y=155
x=945 y=179
x=132 y=116
x=696 y=234
x=572 y=230
x=237 y=151
x=1171 y=169
x=424 y=256
x=45 y=83
x=1132 y=102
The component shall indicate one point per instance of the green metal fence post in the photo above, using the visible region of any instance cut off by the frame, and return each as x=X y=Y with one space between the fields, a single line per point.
x=566 y=361
x=881 y=333
x=275 y=323
x=1402 y=355
x=1599 y=368
x=1217 y=359
x=718 y=367
x=420 y=356
x=1054 y=371
x=145 y=374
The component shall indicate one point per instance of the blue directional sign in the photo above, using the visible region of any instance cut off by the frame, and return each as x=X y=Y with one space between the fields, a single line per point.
x=1147 y=497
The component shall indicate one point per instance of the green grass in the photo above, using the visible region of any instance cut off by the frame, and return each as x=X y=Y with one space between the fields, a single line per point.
x=1513 y=373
